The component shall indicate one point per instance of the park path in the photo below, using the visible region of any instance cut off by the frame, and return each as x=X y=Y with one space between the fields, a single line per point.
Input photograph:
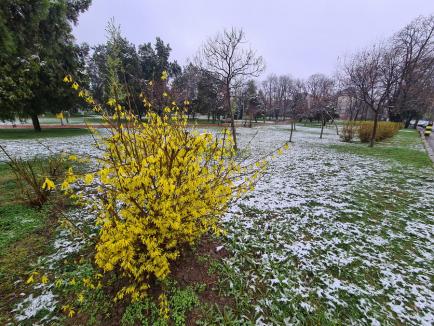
x=430 y=141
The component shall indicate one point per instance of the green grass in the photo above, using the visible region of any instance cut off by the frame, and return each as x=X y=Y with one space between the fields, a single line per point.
x=24 y=236
x=402 y=148
x=45 y=133
x=17 y=219
x=16 y=222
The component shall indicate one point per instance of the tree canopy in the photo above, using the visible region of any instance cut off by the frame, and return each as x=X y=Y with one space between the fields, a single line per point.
x=37 y=50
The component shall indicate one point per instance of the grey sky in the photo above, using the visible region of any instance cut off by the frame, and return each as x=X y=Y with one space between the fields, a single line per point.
x=296 y=37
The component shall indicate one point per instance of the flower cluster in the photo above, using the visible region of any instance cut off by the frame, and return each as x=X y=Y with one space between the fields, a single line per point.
x=161 y=186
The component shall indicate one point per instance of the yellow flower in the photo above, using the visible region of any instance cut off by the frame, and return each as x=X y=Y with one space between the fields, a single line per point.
x=67 y=79
x=44 y=279
x=165 y=94
x=186 y=102
x=75 y=86
x=48 y=184
x=71 y=313
x=111 y=102
x=164 y=75
x=58 y=283
x=30 y=279
x=88 y=178
x=80 y=297
x=164 y=306
x=72 y=282
x=90 y=100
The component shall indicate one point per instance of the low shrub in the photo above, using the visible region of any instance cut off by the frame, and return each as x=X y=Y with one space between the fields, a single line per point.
x=385 y=130
x=34 y=177
x=348 y=131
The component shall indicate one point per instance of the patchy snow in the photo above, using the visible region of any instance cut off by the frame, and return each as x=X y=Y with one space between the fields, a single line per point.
x=324 y=231
x=66 y=243
x=29 y=148
x=31 y=306
x=351 y=236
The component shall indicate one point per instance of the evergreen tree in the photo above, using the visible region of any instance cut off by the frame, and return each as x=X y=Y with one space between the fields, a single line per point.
x=37 y=51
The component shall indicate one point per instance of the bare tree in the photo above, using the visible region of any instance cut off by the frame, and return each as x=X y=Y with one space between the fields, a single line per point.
x=270 y=89
x=284 y=93
x=321 y=90
x=227 y=57
x=414 y=48
x=372 y=76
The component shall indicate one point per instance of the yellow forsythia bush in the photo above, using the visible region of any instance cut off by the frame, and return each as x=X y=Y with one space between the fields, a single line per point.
x=385 y=130
x=161 y=186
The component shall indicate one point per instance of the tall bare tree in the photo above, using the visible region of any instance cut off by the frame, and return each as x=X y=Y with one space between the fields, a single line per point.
x=414 y=48
x=372 y=76
x=321 y=90
x=227 y=56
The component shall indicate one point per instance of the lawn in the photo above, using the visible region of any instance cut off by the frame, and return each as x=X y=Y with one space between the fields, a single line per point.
x=334 y=233
x=45 y=133
x=405 y=148
x=23 y=238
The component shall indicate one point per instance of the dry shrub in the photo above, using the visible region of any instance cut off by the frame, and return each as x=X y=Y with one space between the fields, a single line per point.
x=31 y=176
x=385 y=130
x=349 y=130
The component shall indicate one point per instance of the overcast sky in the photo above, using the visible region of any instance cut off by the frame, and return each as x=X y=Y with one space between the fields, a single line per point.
x=294 y=37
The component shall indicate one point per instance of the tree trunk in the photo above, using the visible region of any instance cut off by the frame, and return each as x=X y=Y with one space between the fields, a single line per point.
x=35 y=121
x=415 y=124
x=228 y=103
x=337 y=128
x=322 y=127
x=292 y=129
x=407 y=122
x=374 y=130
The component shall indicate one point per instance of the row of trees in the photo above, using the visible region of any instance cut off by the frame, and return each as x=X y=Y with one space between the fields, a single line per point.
x=135 y=68
x=37 y=50
x=393 y=79
x=277 y=97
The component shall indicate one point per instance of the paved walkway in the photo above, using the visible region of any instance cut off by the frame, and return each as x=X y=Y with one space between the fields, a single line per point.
x=429 y=143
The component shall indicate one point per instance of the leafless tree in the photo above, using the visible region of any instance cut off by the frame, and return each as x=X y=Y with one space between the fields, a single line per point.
x=372 y=76
x=322 y=92
x=227 y=56
x=414 y=48
x=269 y=90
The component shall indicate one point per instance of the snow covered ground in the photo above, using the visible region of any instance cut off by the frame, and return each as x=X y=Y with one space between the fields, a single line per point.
x=325 y=234
x=332 y=234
